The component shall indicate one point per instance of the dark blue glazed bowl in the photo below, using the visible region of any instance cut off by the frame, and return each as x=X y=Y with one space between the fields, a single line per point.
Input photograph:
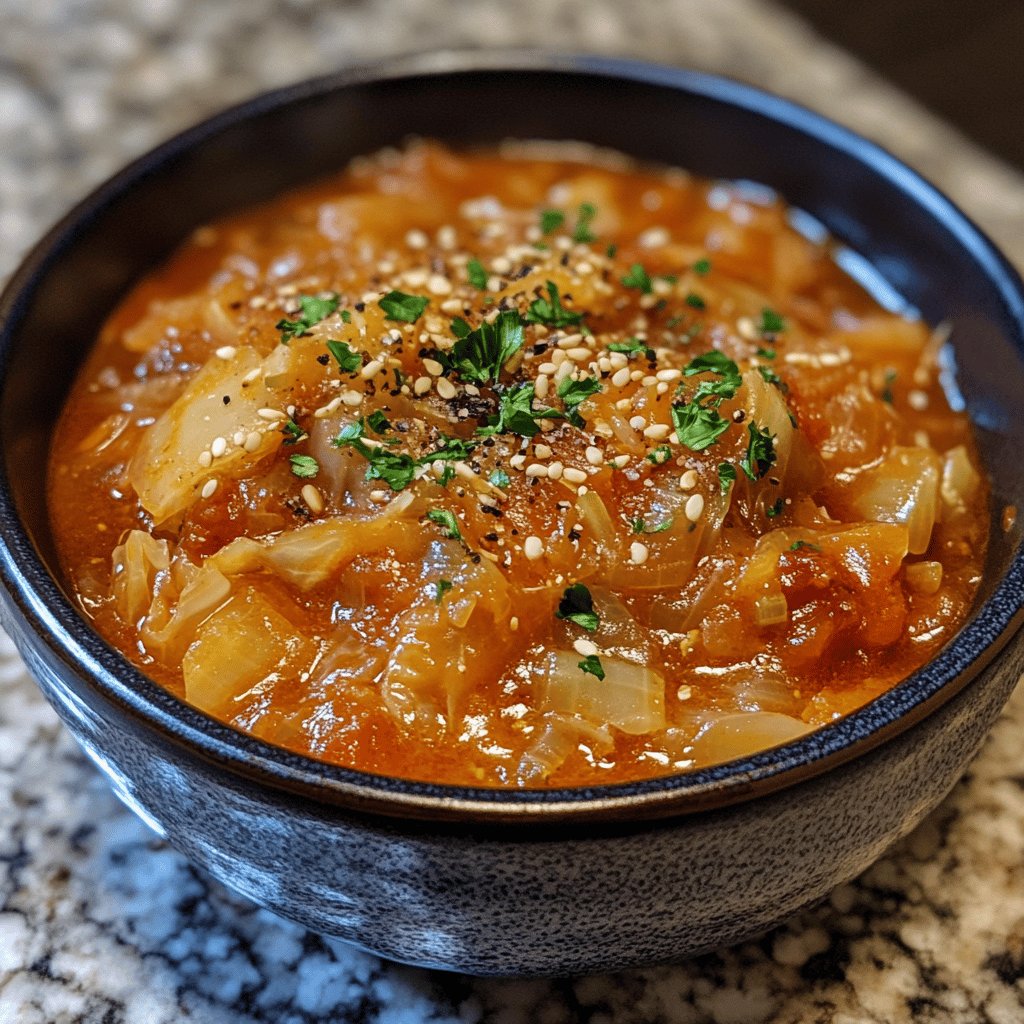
x=512 y=882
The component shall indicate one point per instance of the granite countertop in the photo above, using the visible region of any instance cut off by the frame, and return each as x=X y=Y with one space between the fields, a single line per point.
x=102 y=923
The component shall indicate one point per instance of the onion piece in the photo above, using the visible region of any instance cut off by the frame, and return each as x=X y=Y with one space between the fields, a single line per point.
x=630 y=697
x=136 y=562
x=561 y=735
x=740 y=735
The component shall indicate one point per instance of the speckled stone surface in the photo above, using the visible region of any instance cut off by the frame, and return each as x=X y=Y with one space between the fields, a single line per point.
x=101 y=923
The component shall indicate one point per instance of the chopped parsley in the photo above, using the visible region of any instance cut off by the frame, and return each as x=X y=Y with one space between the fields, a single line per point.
x=660 y=455
x=550 y=311
x=582 y=233
x=611 y=251
x=346 y=316
x=451 y=449
x=305 y=467
x=396 y=469
x=311 y=311
x=577 y=606
x=516 y=414
x=445 y=518
x=721 y=365
x=573 y=392
x=774 y=511
x=890 y=379
x=697 y=427
x=405 y=308
x=760 y=452
x=551 y=220
x=702 y=267
x=766 y=353
x=378 y=422
x=479 y=355
x=441 y=587
x=771 y=322
x=477 y=274
x=726 y=476
x=632 y=346
x=293 y=433
x=771 y=377
x=637 y=277
x=639 y=526
x=348 y=359
x=803 y=545
x=591 y=665
x=499 y=478
x=694 y=301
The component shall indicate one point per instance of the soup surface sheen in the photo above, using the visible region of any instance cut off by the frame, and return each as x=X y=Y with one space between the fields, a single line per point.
x=528 y=467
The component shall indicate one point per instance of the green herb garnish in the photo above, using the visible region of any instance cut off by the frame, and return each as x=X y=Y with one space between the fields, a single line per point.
x=702 y=267
x=771 y=377
x=551 y=220
x=452 y=449
x=639 y=526
x=404 y=308
x=760 y=452
x=774 y=511
x=726 y=476
x=516 y=414
x=637 y=277
x=577 y=606
x=378 y=422
x=632 y=346
x=573 y=392
x=479 y=355
x=348 y=359
x=311 y=311
x=890 y=379
x=305 y=467
x=582 y=233
x=441 y=587
x=771 y=322
x=550 y=311
x=445 y=518
x=803 y=545
x=697 y=427
x=660 y=455
x=477 y=274
x=396 y=469
x=293 y=433
x=591 y=665
x=694 y=301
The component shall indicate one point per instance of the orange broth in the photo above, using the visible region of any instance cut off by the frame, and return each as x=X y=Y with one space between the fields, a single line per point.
x=525 y=467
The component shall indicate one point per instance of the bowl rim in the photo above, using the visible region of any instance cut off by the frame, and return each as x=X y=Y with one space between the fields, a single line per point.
x=71 y=641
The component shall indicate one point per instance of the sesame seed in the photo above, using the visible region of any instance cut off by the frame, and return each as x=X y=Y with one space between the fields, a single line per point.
x=311 y=496
x=653 y=238
x=582 y=489
x=547 y=368
x=684 y=692
x=371 y=369
x=433 y=367
x=513 y=623
x=438 y=284
x=637 y=422
x=657 y=431
x=668 y=375
x=620 y=461
x=579 y=354
x=446 y=237
x=251 y=375
x=594 y=456
x=209 y=488
x=252 y=441
x=218 y=446
x=533 y=548
x=917 y=400
x=517 y=461
x=574 y=475
x=621 y=377
x=542 y=386
x=205 y=459
x=536 y=469
x=585 y=647
x=747 y=328
x=271 y=414
x=688 y=480
x=416 y=239
x=445 y=388
x=542 y=451
x=226 y=352
x=555 y=470
x=694 y=507
x=638 y=553
x=451 y=306
x=422 y=385
x=662 y=388
x=352 y=398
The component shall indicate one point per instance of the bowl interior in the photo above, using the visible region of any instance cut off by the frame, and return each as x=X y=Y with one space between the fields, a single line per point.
x=924 y=248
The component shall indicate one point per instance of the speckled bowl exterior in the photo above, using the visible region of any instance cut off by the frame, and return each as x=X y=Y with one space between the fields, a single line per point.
x=516 y=882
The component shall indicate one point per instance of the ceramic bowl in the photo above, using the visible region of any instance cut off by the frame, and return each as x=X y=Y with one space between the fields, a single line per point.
x=516 y=882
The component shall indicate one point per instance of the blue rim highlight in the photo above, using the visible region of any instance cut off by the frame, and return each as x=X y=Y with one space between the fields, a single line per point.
x=71 y=641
